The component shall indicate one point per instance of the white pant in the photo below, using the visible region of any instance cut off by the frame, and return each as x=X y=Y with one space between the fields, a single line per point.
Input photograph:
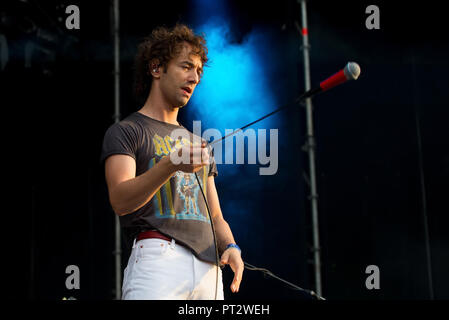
x=159 y=269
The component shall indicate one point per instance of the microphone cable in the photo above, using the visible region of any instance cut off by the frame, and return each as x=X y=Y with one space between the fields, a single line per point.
x=247 y=265
x=350 y=72
x=294 y=286
x=217 y=258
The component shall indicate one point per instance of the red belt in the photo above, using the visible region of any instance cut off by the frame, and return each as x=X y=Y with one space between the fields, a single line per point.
x=152 y=234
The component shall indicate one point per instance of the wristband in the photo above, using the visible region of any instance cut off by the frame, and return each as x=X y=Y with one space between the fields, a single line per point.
x=233 y=245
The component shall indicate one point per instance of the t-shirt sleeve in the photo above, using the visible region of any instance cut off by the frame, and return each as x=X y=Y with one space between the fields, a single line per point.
x=119 y=139
x=213 y=166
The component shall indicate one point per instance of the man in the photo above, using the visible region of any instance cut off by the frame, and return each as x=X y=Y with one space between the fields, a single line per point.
x=162 y=213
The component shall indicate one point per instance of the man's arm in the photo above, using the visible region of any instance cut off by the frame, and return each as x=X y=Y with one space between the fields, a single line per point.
x=128 y=193
x=224 y=235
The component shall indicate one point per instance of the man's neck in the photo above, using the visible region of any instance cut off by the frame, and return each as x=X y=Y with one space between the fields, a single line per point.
x=156 y=109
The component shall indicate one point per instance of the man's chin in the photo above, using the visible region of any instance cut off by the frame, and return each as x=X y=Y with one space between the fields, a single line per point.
x=181 y=104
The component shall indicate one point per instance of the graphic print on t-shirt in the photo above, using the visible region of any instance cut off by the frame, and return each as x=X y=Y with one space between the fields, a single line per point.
x=188 y=190
x=178 y=197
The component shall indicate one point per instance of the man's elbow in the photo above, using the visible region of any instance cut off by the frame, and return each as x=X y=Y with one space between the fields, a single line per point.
x=122 y=203
x=118 y=210
x=118 y=205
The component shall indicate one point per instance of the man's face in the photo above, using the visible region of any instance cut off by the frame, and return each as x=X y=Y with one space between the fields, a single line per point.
x=180 y=78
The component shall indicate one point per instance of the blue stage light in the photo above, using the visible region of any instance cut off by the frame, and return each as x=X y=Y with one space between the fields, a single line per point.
x=234 y=89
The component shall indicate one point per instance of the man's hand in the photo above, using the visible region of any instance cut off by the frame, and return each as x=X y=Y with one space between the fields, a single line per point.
x=190 y=158
x=233 y=257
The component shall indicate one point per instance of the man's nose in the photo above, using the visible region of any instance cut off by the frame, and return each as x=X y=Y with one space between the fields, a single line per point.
x=194 y=77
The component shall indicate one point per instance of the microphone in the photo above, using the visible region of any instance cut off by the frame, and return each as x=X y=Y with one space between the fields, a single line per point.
x=350 y=72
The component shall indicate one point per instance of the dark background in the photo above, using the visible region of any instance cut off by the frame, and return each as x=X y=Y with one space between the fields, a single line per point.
x=382 y=148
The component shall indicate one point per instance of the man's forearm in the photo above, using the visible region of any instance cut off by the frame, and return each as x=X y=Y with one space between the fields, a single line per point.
x=223 y=233
x=130 y=195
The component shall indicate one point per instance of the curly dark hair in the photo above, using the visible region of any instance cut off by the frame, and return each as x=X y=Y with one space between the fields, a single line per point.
x=161 y=46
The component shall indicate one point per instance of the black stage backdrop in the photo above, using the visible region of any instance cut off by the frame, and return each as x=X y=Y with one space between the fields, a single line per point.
x=382 y=149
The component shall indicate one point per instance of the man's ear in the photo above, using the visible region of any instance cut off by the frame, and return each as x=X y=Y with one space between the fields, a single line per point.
x=154 y=68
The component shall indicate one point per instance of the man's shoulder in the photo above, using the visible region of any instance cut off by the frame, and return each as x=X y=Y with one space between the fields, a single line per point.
x=129 y=122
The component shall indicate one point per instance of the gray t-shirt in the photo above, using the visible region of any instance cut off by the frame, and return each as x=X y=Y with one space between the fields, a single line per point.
x=177 y=209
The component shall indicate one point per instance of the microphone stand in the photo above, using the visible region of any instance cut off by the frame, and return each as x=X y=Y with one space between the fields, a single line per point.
x=309 y=147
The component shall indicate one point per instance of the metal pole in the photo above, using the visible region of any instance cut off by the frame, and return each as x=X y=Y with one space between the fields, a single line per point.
x=33 y=246
x=310 y=147
x=118 y=249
